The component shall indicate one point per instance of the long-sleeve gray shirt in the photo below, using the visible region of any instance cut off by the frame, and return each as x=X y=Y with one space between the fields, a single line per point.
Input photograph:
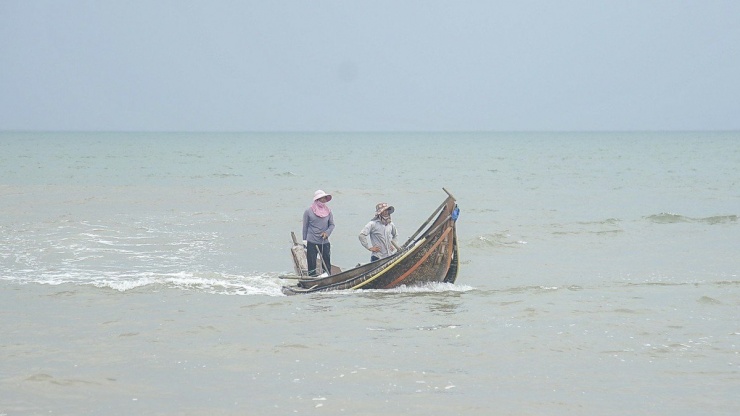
x=380 y=235
x=313 y=226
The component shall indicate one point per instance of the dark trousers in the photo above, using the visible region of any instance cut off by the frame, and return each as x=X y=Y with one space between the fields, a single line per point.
x=325 y=250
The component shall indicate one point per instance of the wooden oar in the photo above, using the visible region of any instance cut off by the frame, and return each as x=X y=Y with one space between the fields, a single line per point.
x=288 y=276
x=431 y=217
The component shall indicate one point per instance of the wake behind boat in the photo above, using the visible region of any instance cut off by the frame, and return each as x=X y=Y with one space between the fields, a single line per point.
x=429 y=256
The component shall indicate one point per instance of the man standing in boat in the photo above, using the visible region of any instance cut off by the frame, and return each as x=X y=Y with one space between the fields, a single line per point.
x=318 y=223
x=382 y=232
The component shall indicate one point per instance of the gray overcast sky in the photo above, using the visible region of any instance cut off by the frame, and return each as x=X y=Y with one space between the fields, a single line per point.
x=369 y=65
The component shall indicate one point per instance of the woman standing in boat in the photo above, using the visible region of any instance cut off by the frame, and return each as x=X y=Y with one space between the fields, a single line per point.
x=382 y=232
x=318 y=223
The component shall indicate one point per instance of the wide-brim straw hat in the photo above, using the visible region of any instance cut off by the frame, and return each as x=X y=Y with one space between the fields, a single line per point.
x=320 y=194
x=383 y=207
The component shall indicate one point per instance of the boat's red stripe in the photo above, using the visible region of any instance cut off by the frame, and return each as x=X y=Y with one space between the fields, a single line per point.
x=418 y=263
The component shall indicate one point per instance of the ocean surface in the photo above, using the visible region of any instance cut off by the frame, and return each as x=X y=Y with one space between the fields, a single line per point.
x=140 y=273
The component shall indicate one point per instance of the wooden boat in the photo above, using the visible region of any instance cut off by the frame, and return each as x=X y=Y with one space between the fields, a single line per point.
x=429 y=255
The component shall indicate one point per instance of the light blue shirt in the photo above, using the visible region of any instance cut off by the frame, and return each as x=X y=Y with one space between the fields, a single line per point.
x=380 y=235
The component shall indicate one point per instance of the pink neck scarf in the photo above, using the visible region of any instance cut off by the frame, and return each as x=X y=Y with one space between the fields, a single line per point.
x=320 y=209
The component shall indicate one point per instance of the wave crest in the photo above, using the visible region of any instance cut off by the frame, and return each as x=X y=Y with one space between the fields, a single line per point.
x=494 y=240
x=671 y=218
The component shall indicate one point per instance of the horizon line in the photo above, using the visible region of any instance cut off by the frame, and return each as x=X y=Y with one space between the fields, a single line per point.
x=372 y=131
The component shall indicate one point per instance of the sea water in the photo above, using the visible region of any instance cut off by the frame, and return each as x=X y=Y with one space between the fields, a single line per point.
x=140 y=273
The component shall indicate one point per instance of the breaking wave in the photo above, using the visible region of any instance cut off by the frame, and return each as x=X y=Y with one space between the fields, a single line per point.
x=671 y=218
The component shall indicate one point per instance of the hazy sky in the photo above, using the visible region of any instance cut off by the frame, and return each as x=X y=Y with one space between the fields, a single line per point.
x=314 y=65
